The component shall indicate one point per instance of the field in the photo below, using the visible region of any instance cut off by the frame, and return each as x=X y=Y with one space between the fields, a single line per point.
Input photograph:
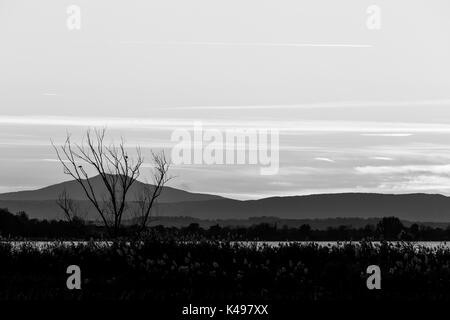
x=210 y=271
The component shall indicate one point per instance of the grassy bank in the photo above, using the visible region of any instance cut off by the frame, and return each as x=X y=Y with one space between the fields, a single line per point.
x=209 y=271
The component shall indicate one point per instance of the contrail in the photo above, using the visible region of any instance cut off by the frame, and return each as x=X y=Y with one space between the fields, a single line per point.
x=250 y=44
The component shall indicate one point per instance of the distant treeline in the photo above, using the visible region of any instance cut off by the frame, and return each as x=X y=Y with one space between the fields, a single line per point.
x=389 y=228
x=21 y=226
x=16 y=226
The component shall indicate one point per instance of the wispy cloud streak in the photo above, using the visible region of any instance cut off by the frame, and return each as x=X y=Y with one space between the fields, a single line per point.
x=332 y=104
x=405 y=169
x=362 y=127
x=260 y=44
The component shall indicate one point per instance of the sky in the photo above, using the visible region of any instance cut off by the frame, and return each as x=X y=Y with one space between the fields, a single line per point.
x=359 y=107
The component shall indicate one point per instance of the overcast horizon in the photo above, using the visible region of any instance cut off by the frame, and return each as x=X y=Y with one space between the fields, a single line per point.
x=358 y=109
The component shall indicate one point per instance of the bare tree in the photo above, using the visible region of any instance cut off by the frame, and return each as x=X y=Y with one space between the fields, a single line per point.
x=117 y=172
x=69 y=207
x=148 y=198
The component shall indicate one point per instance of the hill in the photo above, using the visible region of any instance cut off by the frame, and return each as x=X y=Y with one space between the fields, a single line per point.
x=411 y=207
x=178 y=203
x=76 y=192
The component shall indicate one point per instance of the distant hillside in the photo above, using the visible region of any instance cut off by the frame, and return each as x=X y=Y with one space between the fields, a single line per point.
x=76 y=193
x=412 y=207
x=178 y=203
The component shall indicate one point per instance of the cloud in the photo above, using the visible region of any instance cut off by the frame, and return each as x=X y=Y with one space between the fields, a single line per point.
x=382 y=158
x=387 y=134
x=32 y=160
x=256 y=44
x=325 y=159
x=405 y=169
x=54 y=160
x=8 y=188
x=336 y=104
x=422 y=183
x=288 y=172
x=285 y=126
x=93 y=122
x=282 y=183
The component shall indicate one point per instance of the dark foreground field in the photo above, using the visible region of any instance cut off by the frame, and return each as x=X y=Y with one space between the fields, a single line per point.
x=212 y=272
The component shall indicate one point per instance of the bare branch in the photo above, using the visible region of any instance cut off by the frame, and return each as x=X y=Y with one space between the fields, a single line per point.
x=114 y=168
x=69 y=207
x=148 y=198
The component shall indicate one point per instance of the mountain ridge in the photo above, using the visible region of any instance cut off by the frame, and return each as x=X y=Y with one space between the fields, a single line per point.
x=174 y=202
x=76 y=192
